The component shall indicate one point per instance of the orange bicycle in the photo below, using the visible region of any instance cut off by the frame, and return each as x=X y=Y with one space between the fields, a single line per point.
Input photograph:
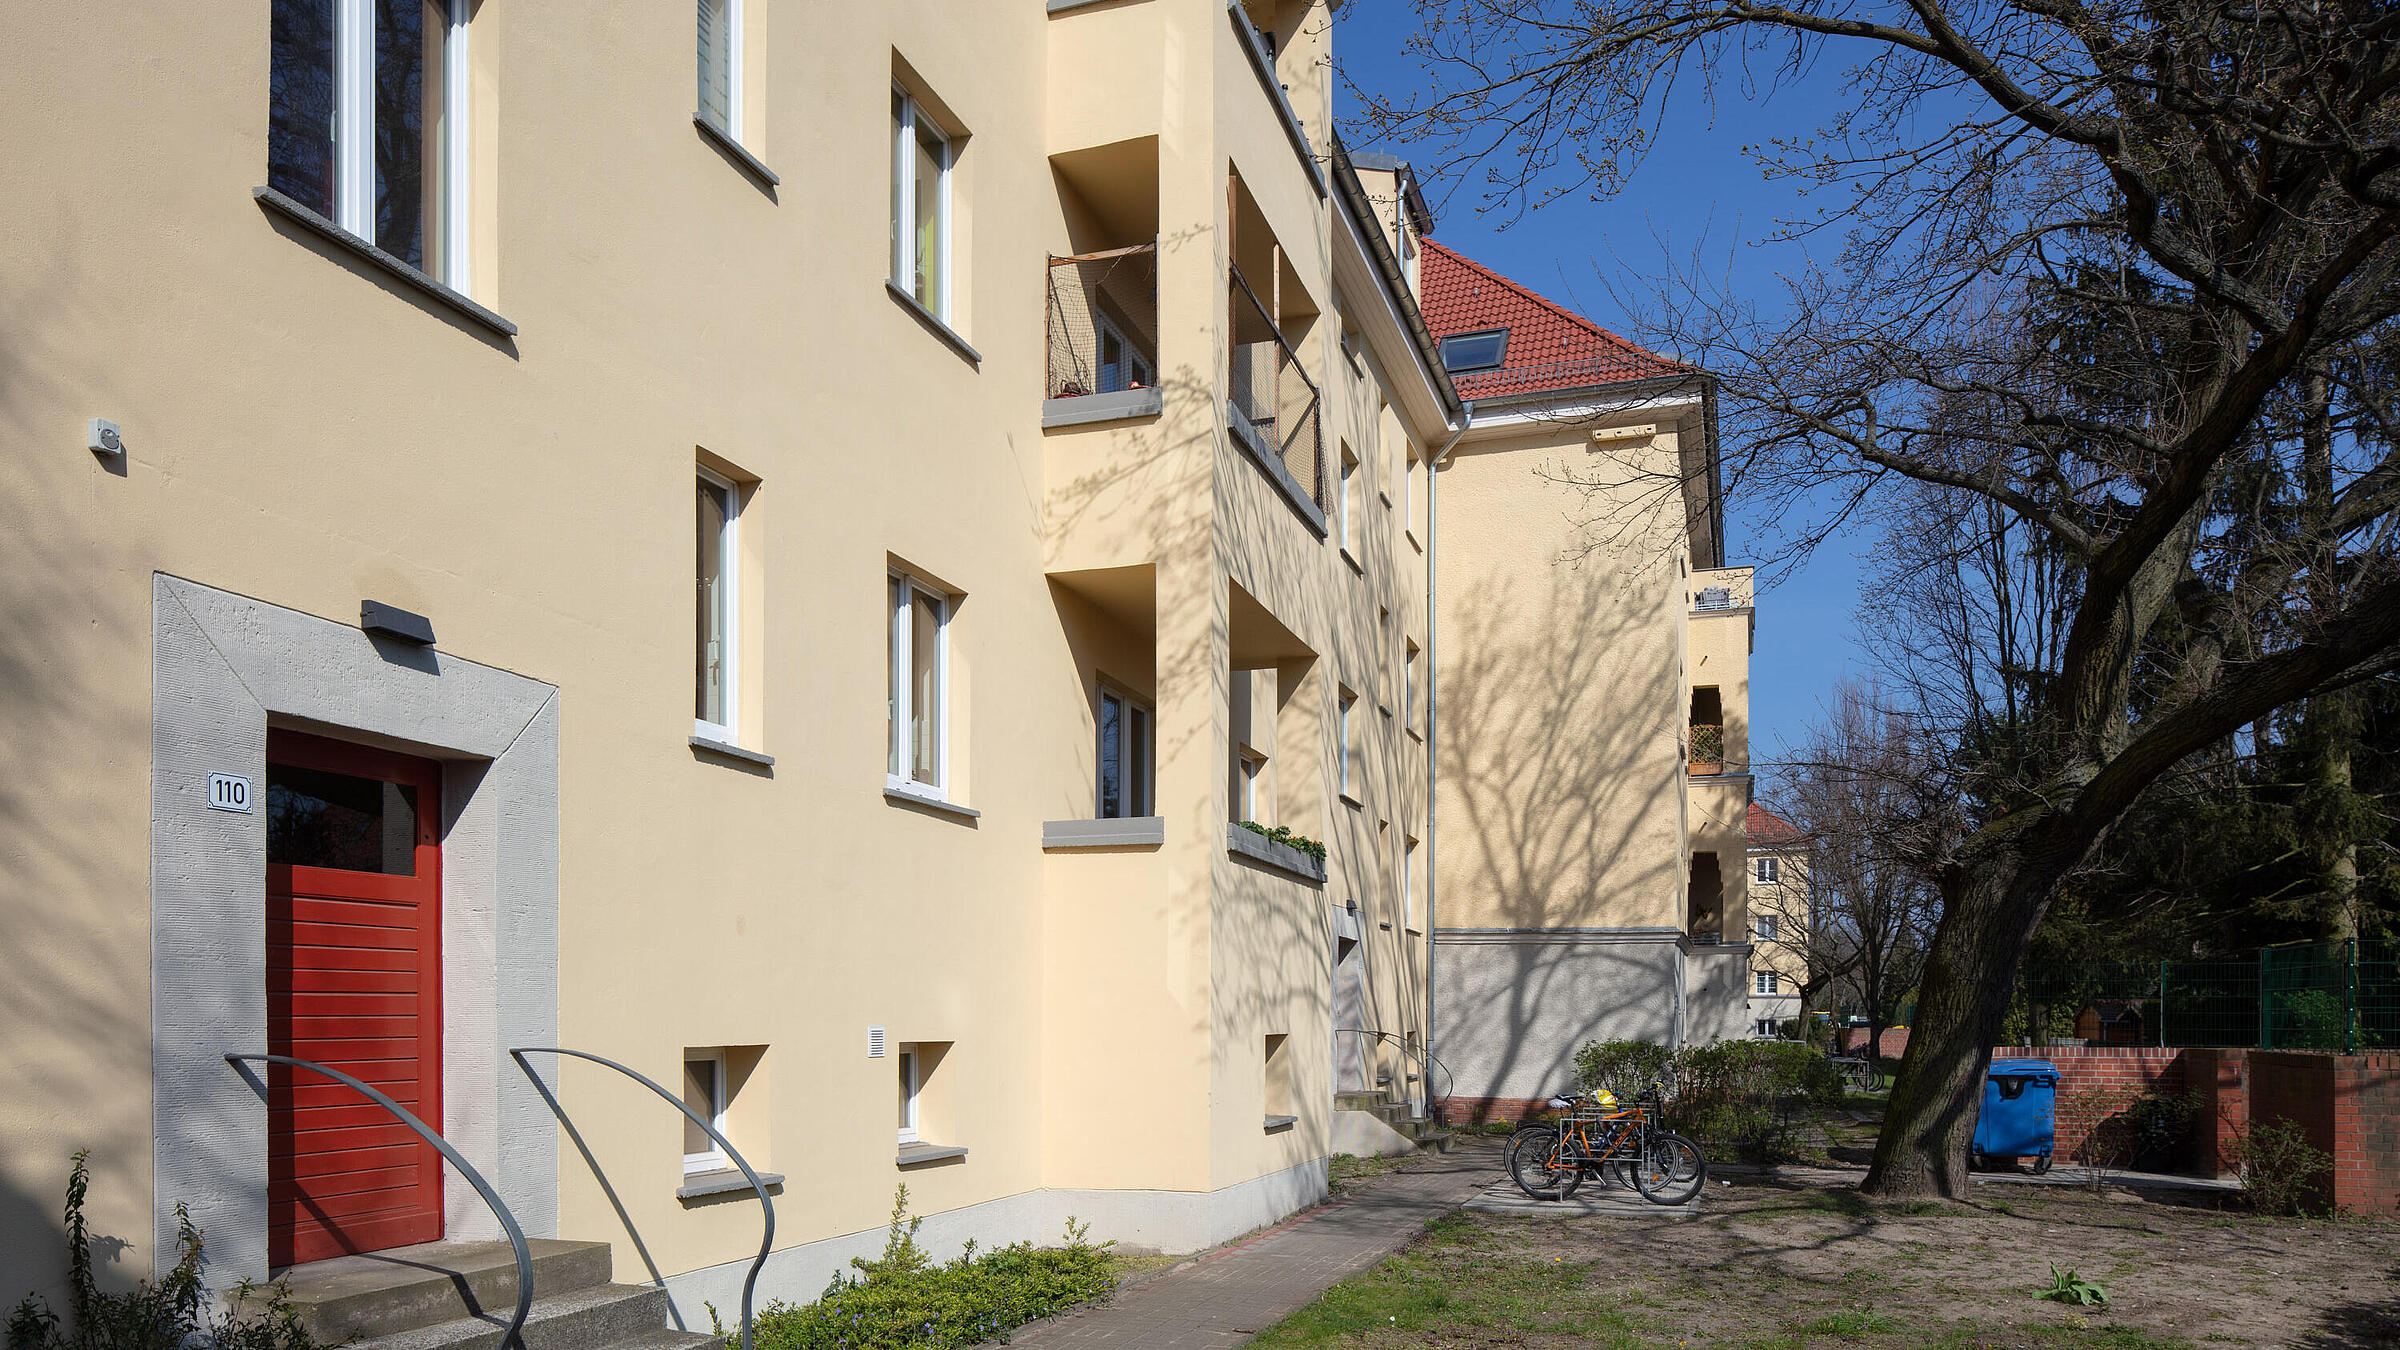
x=1550 y=1162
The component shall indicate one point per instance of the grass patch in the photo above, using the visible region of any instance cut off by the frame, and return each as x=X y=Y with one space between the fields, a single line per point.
x=1453 y=1282
x=1849 y=1325
x=1347 y=1171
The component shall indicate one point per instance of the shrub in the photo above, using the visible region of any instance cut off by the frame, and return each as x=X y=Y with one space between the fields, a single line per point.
x=904 y=1298
x=1738 y=1093
x=2280 y=1169
x=165 y=1315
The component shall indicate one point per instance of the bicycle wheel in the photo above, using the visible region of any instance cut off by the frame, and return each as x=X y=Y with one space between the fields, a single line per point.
x=1535 y=1165
x=1670 y=1171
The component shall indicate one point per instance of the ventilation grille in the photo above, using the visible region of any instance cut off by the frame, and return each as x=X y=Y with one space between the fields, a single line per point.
x=874 y=1042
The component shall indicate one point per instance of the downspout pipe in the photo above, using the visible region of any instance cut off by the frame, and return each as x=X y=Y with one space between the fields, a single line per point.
x=1433 y=725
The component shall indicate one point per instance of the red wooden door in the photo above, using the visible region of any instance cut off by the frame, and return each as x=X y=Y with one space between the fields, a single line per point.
x=354 y=981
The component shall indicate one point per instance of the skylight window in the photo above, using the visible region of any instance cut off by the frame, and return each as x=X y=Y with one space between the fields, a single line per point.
x=1475 y=351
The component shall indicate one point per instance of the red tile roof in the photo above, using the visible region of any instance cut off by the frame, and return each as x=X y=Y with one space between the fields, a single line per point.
x=1765 y=827
x=1548 y=347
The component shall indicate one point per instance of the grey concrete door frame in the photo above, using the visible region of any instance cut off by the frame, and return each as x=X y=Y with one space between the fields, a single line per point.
x=224 y=666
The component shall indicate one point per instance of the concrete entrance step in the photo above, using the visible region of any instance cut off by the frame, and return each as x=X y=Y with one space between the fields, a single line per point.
x=460 y=1295
x=600 y=1315
x=377 y=1294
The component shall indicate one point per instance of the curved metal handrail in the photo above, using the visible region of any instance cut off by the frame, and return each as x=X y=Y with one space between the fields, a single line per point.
x=1427 y=1056
x=514 y=1337
x=766 y=1239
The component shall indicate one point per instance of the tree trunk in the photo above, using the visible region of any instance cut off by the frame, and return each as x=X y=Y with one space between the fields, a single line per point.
x=1992 y=904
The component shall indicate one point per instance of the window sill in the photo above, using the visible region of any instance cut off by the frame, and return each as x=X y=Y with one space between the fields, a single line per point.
x=1120 y=832
x=276 y=203
x=916 y=796
x=1411 y=536
x=1352 y=802
x=915 y=1155
x=1273 y=856
x=1125 y=405
x=1275 y=1123
x=723 y=140
x=1384 y=924
x=708 y=745
x=697 y=1184
x=1352 y=559
x=934 y=324
x=1416 y=735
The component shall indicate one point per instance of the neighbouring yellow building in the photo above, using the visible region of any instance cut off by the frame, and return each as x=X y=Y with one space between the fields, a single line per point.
x=378 y=371
x=1592 y=756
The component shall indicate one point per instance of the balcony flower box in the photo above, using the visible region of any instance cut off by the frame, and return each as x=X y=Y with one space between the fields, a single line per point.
x=1274 y=855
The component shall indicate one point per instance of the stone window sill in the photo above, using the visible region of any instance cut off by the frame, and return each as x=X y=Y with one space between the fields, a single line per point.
x=727 y=749
x=698 y=1184
x=723 y=140
x=276 y=203
x=934 y=324
x=912 y=1155
x=915 y=796
x=1126 y=832
x=1274 y=1123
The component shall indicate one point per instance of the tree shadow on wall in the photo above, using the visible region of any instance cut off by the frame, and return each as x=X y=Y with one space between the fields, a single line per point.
x=74 y=804
x=1561 y=784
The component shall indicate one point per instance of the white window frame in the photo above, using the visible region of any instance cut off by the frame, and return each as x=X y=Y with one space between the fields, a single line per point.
x=730 y=551
x=1350 y=464
x=1131 y=362
x=900 y=588
x=1344 y=702
x=733 y=69
x=1767 y=869
x=1764 y=984
x=1249 y=767
x=909 y=1074
x=354 y=138
x=714 y=1160
x=1409 y=652
x=1135 y=798
x=904 y=144
x=1408 y=883
x=1766 y=926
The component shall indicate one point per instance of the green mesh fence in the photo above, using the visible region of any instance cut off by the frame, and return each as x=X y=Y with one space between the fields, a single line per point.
x=2339 y=995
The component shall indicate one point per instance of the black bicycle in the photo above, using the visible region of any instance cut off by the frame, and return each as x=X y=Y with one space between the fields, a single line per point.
x=1622 y=1145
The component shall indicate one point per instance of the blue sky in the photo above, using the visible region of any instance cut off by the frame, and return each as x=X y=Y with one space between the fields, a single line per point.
x=1697 y=188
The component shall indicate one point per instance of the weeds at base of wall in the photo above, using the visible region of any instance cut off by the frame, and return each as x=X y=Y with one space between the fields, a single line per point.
x=2279 y=1168
x=904 y=1298
x=162 y=1315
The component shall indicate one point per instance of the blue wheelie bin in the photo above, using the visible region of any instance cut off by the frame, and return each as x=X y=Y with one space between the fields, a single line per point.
x=2020 y=1114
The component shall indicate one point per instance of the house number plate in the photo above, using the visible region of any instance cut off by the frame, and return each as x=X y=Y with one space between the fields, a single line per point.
x=229 y=792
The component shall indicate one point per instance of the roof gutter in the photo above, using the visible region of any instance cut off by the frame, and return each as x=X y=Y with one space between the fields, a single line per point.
x=1362 y=212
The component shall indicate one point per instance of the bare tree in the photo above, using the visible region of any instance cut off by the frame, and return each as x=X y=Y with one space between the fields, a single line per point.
x=1867 y=791
x=2094 y=255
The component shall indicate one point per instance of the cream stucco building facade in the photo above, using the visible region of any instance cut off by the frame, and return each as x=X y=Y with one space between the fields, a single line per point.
x=1040 y=406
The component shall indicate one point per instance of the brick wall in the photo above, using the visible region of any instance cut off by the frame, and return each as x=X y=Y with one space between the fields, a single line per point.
x=2347 y=1105
x=2221 y=1081
x=1853 y=1041
x=1481 y=1110
x=2095 y=1085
